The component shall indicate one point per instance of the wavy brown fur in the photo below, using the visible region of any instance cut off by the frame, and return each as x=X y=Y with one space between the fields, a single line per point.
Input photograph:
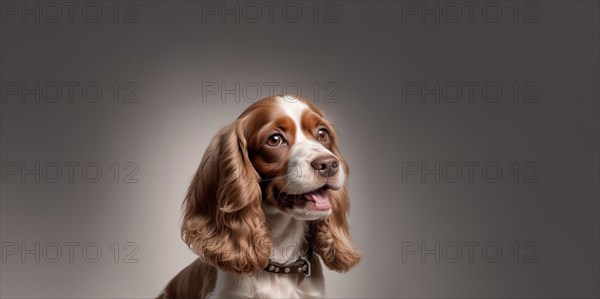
x=223 y=221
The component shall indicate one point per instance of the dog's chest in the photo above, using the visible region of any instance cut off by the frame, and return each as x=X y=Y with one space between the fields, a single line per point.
x=286 y=286
x=266 y=285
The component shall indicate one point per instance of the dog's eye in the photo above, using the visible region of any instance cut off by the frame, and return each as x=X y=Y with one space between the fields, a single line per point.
x=275 y=140
x=323 y=135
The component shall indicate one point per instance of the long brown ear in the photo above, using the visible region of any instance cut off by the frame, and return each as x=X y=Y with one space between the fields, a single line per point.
x=223 y=221
x=331 y=235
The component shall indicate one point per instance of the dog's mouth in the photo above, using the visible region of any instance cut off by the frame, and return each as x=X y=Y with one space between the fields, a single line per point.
x=317 y=199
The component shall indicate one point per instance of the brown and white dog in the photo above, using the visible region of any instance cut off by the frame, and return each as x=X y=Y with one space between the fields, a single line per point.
x=270 y=191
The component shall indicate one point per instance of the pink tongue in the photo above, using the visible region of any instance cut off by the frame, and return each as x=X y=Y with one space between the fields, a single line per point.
x=320 y=199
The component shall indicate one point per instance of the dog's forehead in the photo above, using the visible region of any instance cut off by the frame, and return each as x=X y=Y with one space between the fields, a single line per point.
x=293 y=108
x=298 y=113
x=286 y=104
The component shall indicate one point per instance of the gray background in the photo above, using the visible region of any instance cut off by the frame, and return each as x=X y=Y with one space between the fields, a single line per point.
x=366 y=55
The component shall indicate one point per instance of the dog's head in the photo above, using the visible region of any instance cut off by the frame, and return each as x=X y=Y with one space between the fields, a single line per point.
x=280 y=156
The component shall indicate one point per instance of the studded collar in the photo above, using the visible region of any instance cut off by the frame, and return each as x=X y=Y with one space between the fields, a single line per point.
x=301 y=265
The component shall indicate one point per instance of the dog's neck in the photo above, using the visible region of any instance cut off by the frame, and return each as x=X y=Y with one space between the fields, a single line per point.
x=288 y=235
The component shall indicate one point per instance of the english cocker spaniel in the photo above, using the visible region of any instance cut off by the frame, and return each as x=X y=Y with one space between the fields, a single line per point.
x=267 y=203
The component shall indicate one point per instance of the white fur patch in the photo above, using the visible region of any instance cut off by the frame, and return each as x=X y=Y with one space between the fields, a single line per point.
x=301 y=177
x=264 y=284
x=294 y=108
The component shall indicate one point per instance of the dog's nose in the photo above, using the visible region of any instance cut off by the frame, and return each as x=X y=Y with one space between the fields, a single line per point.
x=326 y=165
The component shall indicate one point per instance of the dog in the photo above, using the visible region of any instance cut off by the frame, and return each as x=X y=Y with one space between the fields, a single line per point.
x=267 y=204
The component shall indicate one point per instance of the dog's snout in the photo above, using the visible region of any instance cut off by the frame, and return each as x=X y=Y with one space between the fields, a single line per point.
x=327 y=166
